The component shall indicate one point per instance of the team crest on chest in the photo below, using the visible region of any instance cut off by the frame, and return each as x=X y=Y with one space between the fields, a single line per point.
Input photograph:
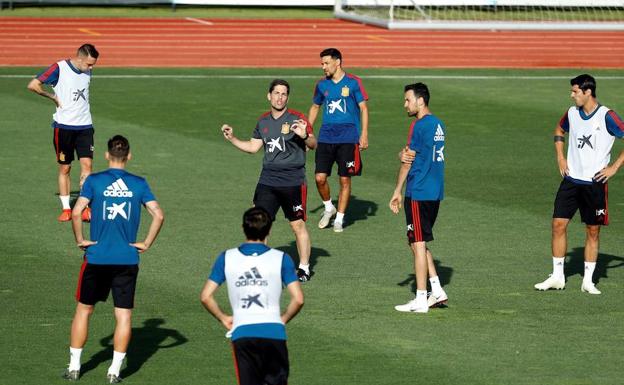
x=285 y=128
x=345 y=91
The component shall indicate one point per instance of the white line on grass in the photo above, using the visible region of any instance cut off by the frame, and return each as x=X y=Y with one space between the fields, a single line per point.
x=415 y=75
x=198 y=21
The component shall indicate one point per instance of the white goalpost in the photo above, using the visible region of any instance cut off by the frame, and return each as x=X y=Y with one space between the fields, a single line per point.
x=485 y=14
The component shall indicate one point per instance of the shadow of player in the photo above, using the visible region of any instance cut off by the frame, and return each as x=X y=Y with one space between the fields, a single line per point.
x=315 y=253
x=444 y=274
x=146 y=341
x=575 y=265
x=358 y=210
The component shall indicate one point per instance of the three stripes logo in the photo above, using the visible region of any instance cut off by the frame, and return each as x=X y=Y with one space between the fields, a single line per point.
x=251 y=277
x=118 y=189
x=439 y=135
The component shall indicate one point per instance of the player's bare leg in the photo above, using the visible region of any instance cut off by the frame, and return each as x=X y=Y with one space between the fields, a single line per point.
x=64 y=182
x=323 y=188
x=78 y=339
x=438 y=296
x=302 y=238
x=559 y=247
x=85 y=171
x=121 y=340
x=418 y=304
x=343 y=201
x=592 y=240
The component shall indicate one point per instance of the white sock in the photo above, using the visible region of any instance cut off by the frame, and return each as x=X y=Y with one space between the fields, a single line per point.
x=589 y=272
x=115 y=367
x=65 y=201
x=305 y=268
x=329 y=206
x=436 y=289
x=558 y=267
x=339 y=217
x=421 y=298
x=74 y=358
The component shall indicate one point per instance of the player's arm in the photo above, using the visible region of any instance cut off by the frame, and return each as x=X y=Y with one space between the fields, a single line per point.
x=158 y=218
x=364 y=125
x=296 y=301
x=250 y=146
x=559 y=139
x=36 y=86
x=397 y=197
x=303 y=129
x=80 y=205
x=406 y=155
x=209 y=302
x=313 y=113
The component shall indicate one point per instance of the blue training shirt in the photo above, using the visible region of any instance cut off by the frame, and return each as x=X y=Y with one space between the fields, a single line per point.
x=116 y=197
x=276 y=331
x=425 y=180
x=341 y=110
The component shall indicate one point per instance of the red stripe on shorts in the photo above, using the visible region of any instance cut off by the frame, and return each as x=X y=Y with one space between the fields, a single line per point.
x=82 y=269
x=606 y=220
x=356 y=156
x=56 y=142
x=235 y=364
x=416 y=218
x=304 y=200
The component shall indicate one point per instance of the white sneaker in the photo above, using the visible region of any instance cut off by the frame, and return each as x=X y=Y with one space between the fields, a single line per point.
x=412 y=307
x=552 y=282
x=589 y=287
x=337 y=227
x=439 y=301
x=327 y=216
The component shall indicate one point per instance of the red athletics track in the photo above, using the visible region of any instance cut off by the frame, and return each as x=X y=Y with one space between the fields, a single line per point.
x=185 y=42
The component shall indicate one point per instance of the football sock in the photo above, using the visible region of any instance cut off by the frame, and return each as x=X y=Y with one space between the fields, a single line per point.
x=65 y=201
x=74 y=358
x=117 y=361
x=305 y=268
x=589 y=272
x=421 y=297
x=329 y=206
x=436 y=289
x=339 y=217
x=558 y=266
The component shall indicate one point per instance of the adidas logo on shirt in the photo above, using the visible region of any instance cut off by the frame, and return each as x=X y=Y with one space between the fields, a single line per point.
x=118 y=189
x=251 y=278
x=439 y=135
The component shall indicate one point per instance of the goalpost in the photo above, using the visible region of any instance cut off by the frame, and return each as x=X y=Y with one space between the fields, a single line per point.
x=485 y=14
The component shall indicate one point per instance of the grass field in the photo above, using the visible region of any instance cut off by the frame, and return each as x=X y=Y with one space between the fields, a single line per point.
x=492 y=236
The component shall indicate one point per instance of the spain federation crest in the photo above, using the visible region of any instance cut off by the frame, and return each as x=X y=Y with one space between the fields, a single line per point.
x=285 y=128
x=345 y=91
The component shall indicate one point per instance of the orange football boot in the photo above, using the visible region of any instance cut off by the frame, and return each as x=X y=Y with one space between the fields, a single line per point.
x=65 y=216
x=86 y=214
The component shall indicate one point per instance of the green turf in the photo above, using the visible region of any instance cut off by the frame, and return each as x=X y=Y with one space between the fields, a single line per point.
x=492 y=237
x=168 y=11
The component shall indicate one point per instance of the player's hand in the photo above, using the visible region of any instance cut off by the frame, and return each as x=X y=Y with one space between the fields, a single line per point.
x=228 y=132
x=300 y=127
x=363 y=142
x=604 y=174
x=140 y=246
x=406 y=155
x=85 y=244
x=227 y=321
x=395 y=202
x=563 y=167
x=56 y=101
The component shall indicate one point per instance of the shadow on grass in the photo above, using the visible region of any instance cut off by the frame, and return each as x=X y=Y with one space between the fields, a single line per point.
x=444 y=273
x=315 y=254
x=146 y=341
x=358 y=210
x=575 y=265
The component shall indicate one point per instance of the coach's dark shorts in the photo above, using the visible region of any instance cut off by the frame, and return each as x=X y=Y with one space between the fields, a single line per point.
x=96 y=281
x=261 y=361
x=66 y=142
x=346 y=155
x=589 y=199
x=292 y=200
x=420 y=217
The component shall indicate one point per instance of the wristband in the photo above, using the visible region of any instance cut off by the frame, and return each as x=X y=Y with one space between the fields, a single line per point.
x=307 y=136
x=559 y=138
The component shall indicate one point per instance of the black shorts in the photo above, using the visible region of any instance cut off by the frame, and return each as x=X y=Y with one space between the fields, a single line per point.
x=260 y=361
x=420 y=217
x=589 y=199
x=292 y=200
x=66 y=142
x=346 y=155
x=96 y=281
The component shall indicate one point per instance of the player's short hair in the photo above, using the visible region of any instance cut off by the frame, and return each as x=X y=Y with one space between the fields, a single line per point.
x=333 y=52
x=119 y=147
x=256 y=224
x=88 y=50
x=585 y=82
x=420 y=91
x=279 y=82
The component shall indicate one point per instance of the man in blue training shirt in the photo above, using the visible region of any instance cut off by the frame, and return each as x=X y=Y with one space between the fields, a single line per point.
x=255 y=274
x=343 y=134
x=423 y=168
x=111 y=261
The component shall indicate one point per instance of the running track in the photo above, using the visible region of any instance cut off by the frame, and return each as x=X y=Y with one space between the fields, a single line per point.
x=187 y=42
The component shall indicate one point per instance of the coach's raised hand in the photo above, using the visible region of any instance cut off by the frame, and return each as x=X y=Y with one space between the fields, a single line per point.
x=228 y=132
